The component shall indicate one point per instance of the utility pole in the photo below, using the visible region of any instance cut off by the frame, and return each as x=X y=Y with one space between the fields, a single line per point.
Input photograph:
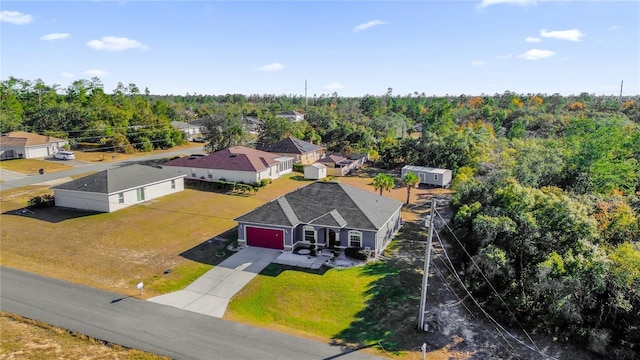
x=427 y=261
x=305 y=96
x=620 y=98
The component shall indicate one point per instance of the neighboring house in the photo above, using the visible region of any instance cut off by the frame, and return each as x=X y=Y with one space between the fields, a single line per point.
x=315 y=171
x=303 y=152
x=114 y=189
x=188 y=129
x=252 y=124
x=22 y=144
x=429 y=175
x=236 y=164
x=326 y=213
x=340 y=166
x=291 y=115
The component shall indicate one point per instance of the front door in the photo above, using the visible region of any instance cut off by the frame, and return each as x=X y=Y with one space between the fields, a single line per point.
x=332 y=239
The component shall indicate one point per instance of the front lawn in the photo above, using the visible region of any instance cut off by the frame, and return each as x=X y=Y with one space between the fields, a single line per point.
x=116 y=251
x=318 y=305
x=32 y=166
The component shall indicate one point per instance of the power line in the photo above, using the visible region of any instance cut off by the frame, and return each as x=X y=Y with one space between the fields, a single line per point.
x=487 y=280
x=535 y=347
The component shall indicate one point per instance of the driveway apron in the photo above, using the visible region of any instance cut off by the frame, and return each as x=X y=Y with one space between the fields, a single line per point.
x=210 y=294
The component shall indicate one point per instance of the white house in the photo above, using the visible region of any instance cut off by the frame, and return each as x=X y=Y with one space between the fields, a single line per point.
x=236 y=164
x=22 y=144
x=292 y=115
x=429 y=175
x=315 y=171
x=114 y=189
x=188 y=129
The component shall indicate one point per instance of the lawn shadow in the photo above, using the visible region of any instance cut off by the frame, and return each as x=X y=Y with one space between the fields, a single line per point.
x=53 y=214
x=213 y=251
x=274 y=270
x=301 y=178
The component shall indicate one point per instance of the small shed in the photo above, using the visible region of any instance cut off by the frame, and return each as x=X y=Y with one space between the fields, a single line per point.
x=315 y=171
x=429 y=175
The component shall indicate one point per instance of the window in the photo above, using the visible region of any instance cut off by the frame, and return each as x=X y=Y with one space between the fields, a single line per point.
x=309 y=234
x=121 y=198
x=173 y=184
x=140 y=194
x=210 y=174
x=355 y=239
x=193 y=173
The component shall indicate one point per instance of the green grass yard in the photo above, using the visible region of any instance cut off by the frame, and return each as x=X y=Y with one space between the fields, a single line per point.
x=319 y=305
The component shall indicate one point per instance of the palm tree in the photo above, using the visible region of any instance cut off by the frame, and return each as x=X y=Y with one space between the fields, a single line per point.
x=383 y=182
x=410 y=180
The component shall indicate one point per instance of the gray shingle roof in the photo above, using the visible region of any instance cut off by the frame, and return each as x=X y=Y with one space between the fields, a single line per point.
x=329 y=204
x=121 y=178
x=291 y=145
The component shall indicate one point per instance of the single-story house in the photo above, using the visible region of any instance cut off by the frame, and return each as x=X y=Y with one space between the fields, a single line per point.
x=252 y=124
x=303 y=152
x=114 y=189
x=338 y=165
x=315 y=171
x=22 y=144
x=236 y=164
x=291 y=115
x=429 y=175
x=326 y=214
x=187 y=128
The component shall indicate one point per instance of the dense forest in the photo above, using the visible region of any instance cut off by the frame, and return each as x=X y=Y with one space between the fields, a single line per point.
x=546 y=203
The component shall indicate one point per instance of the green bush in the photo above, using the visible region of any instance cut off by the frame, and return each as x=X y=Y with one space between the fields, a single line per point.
x=356 y=253
x=41 y=201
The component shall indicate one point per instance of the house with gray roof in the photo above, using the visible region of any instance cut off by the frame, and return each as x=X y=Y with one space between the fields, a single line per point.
x=323 y=214
x=114 y=189
x=303 y=152
x=291 y=115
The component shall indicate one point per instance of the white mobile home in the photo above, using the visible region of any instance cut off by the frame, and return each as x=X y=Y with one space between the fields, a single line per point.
x=429 y=175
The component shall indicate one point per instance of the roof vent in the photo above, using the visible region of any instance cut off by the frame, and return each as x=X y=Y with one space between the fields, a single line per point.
x=233 y=155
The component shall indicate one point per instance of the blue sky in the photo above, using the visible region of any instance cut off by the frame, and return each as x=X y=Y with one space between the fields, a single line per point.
x=350 y=47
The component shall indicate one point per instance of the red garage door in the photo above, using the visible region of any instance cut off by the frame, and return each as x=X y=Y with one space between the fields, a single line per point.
x=267 y=238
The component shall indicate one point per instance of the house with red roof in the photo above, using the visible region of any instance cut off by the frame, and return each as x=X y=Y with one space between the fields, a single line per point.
x=237 y=164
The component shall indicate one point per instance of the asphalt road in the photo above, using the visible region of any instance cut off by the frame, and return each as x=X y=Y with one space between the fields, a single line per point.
x=148 y=326
x=83 y=168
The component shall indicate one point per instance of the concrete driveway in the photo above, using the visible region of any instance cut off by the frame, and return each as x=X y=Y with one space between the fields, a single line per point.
x=210 y=294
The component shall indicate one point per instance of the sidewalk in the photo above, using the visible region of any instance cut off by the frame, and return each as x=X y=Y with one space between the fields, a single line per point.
x=210 y=294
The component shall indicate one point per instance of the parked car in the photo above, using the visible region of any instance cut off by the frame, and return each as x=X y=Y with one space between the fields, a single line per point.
x=64 y=155
x=199 y=139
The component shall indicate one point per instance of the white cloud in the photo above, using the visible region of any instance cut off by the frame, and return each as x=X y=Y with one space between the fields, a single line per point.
x=55 y=36
x=271 y=67
x=504 y=57
x=113 y=43
x=486 y=3
x=368 y=25
x=536 y=54
x=333 y=86
x=571 y=35
x=477 y=63
x=531 y=39
x=97 y=73
x=614 y=27
x=15 y=17
x=67 y=75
